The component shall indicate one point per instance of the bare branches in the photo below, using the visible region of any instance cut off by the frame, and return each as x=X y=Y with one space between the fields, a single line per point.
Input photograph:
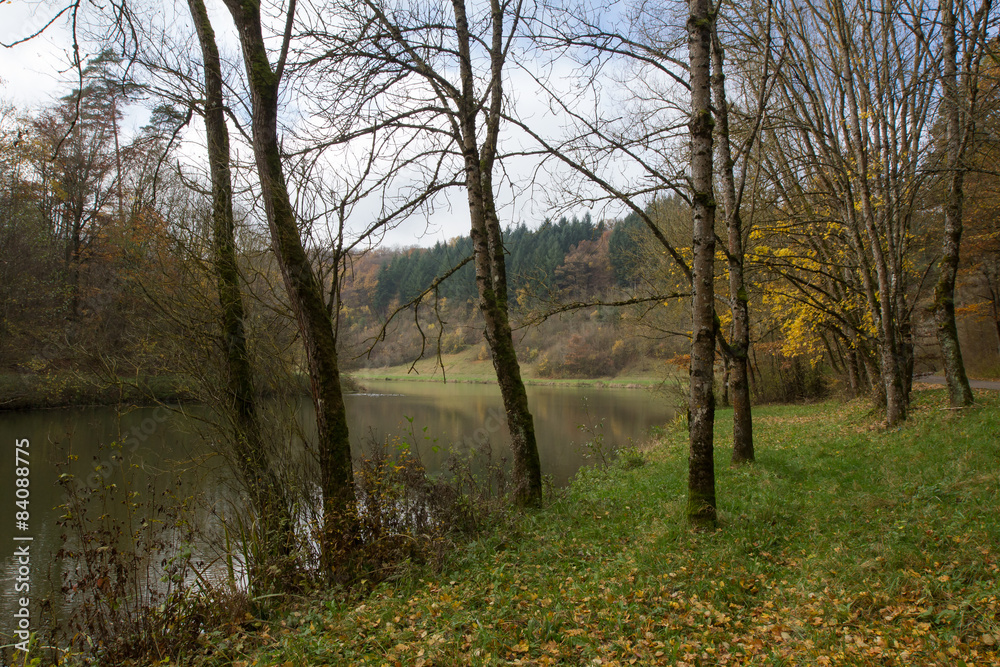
x=279 y=68
x=72 y=7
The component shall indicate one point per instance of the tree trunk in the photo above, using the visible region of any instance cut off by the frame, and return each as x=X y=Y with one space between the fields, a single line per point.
x=873 y=372
x=701 y=404
x=493 y=303
x=740 y=345
x=996 y=325
x=262 y=483
x=891 y=361
x=726 y=368
x=959 y=391
x=487 y=243
x=305 y=293
x=74 y=245
x=852 y=373
x=908 y=355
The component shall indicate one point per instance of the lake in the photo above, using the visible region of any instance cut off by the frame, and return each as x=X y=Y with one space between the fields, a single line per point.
x=167 y=445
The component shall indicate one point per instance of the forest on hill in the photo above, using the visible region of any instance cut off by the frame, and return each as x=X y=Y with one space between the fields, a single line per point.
x=567 y=262
x=563 y=275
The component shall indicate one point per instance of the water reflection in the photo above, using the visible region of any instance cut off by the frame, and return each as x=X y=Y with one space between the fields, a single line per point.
x=171 y=448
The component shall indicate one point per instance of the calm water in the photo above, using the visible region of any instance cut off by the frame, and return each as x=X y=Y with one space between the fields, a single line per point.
x=167 y=446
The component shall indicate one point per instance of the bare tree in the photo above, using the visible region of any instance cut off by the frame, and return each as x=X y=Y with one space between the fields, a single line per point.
x=732 y=191
x=442 y=75
x=960 y=82
x=250 y=454
x=628 y=157
x=305 y=291
x=645 y=139
x=701 y=405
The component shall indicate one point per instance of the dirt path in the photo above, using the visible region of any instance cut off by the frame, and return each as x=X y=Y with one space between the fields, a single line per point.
x=976 y=384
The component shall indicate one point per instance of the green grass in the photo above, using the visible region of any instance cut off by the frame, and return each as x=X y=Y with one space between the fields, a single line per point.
x=843 y=544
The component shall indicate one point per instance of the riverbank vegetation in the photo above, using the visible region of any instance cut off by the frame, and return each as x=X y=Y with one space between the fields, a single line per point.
x=844 y=543
x=60 y=390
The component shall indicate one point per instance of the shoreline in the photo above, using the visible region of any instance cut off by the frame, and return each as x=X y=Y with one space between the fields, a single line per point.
x=605 y=383
x=22 y=393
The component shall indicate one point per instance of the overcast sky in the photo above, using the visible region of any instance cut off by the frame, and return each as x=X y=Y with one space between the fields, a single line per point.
x=31 y=71
x=37 y=73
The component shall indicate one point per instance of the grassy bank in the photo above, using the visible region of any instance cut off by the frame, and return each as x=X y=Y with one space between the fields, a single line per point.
x=64 y=390
x=843 y=544
x=60 y=390
x=467 y=367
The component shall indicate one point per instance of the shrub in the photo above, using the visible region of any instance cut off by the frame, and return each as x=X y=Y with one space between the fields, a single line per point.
x=136 y=590
x=409 y=517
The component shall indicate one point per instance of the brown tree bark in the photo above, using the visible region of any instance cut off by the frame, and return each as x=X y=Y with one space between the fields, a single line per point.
x=959 y=390
x=852 y=373
x=996 y=323
x=305 y=292
x=739 y=385
x=487 y=243
x=263 y=486
x=701 y=403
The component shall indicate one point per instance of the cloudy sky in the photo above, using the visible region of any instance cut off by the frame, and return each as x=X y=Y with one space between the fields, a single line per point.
x=36 y=73
x=30 y=72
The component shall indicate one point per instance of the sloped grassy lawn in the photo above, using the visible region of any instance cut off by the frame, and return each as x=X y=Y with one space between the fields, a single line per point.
x=843 y=544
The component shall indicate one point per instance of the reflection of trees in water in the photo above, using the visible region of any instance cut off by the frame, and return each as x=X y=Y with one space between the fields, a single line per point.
x=179 y=451
x=456 y=413
x=137 y=498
